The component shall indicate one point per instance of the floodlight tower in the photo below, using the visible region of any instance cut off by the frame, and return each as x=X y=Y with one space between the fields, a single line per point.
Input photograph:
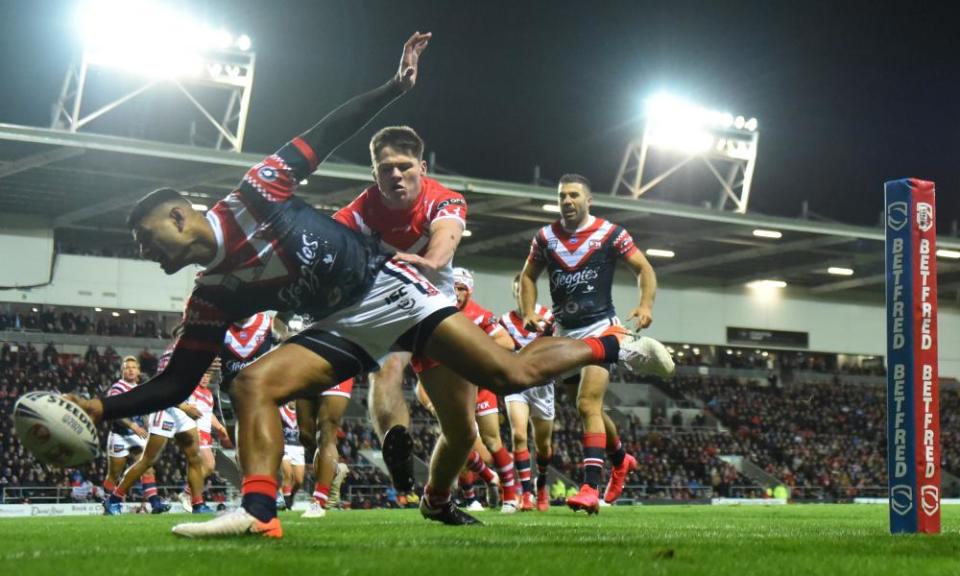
x=685 y=132
x=159 y=46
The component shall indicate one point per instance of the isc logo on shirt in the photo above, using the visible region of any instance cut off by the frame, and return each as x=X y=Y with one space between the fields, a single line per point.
x=167 y=426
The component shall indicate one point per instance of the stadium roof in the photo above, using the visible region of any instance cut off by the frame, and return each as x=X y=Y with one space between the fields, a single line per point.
x=85 y=183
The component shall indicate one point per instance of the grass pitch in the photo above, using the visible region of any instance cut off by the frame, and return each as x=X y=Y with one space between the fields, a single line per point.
x=812 y=539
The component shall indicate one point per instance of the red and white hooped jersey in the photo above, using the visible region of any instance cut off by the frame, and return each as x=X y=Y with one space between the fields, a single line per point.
x=407 y=230
x=291 y=430
x=202 y=398
x=513 y=322
x=581 y=266
x=481 y=317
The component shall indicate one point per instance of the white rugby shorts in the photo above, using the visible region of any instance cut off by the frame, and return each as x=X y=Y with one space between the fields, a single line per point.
x=295 y=454
x=169 y=422
x=399 y=312
x=119 y=446
x=540 y=400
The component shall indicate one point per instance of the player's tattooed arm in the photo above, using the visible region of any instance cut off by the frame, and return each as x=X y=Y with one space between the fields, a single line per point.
x=349 y=118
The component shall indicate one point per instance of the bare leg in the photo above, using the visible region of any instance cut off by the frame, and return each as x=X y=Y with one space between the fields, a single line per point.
x=386 y=404
x=467 y=350
x=151 y=453
x=610 y=427
x=543 y=436
x=593 y=386
x=519 y=414
x=258 y=389
x=189 y=444
x=455 y=402
x=329 y=416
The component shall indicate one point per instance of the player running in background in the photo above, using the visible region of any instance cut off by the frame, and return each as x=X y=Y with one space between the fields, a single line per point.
x=266 y=249
x=129 y=436
x=488 y=410
x=327 y=467
x=580 y=252
x=202 y=400
x=293 y=464
x=422 y=220
x=535 y=405
x=177 y=422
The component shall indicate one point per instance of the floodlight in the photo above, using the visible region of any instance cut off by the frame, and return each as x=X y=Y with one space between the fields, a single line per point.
x=952 y=254
x=551 y=208
x=467 y=234
x=243 y=42
x=767 y=284
x=220 y=38
x=760 y=233
x=149 y=38
x=658 y=253
x=840 y=271
x=727 y=144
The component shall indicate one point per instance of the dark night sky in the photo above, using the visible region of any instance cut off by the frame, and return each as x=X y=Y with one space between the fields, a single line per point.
x=848 y=95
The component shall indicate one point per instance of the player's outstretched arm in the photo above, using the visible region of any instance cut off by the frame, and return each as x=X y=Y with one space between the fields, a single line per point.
x=169 y=388
x=349 y=118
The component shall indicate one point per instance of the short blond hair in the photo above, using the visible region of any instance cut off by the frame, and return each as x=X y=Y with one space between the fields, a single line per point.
x=130 y=359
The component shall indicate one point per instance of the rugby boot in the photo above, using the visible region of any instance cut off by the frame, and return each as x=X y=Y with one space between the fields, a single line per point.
x=112 y=508
x=587 y=499
x=201 y=508
x=543 y=499
x=643 y=355
x=236 y=523
x=618 y=477
x=314 y=511
x=526 y=502
x=447 y=513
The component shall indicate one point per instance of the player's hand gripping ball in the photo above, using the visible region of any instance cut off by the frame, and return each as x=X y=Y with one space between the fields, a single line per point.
x=55 y=430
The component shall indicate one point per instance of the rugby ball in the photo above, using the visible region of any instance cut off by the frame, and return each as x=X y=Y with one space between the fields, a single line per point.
x=55 y=430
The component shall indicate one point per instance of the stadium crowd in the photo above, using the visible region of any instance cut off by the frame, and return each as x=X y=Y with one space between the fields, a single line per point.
x=71 y=321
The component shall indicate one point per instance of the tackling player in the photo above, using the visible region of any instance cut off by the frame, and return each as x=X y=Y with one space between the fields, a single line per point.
x=423 y=221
